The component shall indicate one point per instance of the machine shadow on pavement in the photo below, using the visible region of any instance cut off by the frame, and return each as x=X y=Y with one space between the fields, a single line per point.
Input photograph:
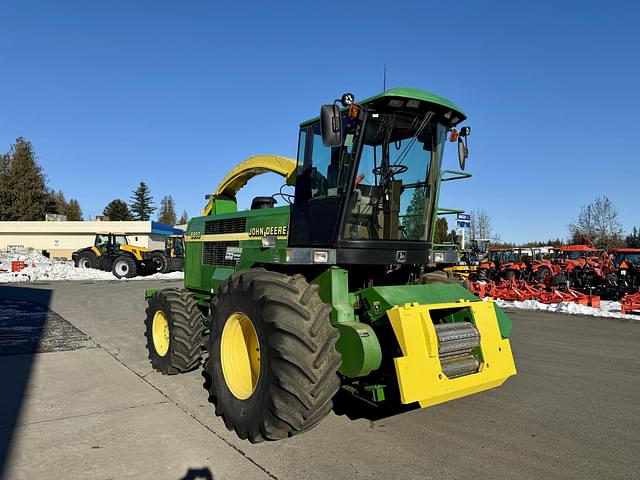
x=354 y=408
x=17 y=339
x=198 y=474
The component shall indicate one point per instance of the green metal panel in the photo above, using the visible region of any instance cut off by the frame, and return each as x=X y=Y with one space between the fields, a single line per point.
x=503 y=321
x=334 y=290
x=224 y=206
x=360 y=349
x=380 y=299
x=358 y=343
x=193 y=264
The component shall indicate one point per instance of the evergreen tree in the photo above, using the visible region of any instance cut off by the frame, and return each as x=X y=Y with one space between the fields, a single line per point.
x=5 y=163
x=442 y=230
x=167 y=211
x=57 y=203
x=633 y=240
x=184 y=218
x=117 y=210
x=413 y=220
x=73 y=211
x=141 y=204
x=24 y=195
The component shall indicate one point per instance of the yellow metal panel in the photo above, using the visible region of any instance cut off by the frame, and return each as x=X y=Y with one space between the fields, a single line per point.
x=136 y=251
x=96 y=251
x=225 y=237
x=419 y=372
x=246 y=170
x=253 y=166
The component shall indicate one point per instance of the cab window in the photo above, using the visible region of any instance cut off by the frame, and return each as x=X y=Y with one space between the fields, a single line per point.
x=101 y=240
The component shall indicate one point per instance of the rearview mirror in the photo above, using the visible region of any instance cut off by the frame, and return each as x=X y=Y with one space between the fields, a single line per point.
x=331 y=125
x=463 y=153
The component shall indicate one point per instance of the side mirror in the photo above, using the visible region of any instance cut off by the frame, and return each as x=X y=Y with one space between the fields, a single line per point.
x=463 y=153
x=331 y=125
x=463 y=148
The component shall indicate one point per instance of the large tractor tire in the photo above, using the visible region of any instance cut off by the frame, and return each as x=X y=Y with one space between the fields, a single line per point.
x=272 y=356
x=174 y=328
x=124 y=267
x=160 y=262
x=87 y=260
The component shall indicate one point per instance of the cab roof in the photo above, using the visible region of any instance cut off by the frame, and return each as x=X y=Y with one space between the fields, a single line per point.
x=409 y=93
x=626 y=250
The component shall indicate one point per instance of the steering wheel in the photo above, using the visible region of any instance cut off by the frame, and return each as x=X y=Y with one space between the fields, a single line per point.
x=287 y=197
x=391 y=170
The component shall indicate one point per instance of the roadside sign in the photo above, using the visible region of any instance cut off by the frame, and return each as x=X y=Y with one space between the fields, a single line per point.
x=463 y=224
x=464 y=216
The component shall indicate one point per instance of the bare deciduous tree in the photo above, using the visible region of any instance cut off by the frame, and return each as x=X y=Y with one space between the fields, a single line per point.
x=481 y=224
x=598 y=222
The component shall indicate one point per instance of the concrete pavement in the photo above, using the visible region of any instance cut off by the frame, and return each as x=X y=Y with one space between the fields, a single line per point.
x=571 y=412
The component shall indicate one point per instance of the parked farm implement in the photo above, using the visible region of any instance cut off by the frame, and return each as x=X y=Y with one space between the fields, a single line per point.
x=573 y=273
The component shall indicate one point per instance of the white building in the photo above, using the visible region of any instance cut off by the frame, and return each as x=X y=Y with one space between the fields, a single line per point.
x=61 y=239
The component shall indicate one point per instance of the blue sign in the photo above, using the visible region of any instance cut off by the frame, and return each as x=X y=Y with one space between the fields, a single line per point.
x=464 y=216
x=463 y=224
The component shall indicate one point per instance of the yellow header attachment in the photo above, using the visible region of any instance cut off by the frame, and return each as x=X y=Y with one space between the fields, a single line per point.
x=419 y=371
x=251 y=167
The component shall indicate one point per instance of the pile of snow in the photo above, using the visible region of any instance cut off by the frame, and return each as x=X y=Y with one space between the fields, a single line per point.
x=607 y=308
x=38 y=267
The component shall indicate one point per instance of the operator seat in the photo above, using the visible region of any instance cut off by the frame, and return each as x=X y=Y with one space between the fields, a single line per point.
x=262 y=202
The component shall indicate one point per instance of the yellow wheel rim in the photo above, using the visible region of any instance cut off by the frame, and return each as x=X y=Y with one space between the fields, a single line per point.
x=160 y=332
x=240 y=355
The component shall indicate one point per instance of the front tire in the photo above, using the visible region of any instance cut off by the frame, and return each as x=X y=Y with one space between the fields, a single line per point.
x=87 y=260
x=272 y=356
x=124 y=267
x=174 y=328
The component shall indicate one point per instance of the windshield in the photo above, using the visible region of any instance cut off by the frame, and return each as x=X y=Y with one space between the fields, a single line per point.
x=495 y=256
x=120 y=239
x=576 y=254
x=394 y=191
x=633 y=258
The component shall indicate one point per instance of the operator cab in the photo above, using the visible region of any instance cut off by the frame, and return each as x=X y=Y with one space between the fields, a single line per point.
x=370 y=189
x=105 y=242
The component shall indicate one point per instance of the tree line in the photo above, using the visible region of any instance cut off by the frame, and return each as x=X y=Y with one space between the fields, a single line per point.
x=24 y=194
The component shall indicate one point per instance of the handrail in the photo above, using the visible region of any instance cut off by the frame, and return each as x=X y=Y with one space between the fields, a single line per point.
x=455 y=175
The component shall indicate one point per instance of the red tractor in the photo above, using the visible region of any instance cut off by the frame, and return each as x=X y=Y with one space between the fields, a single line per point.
x=626 y=264
x=589 y=270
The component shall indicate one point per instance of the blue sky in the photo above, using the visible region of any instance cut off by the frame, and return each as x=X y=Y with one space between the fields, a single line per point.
x=176 y=93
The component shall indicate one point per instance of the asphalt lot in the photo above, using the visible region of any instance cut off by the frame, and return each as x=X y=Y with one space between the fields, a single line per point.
x=99 y=411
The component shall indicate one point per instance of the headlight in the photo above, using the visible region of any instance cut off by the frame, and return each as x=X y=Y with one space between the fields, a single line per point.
x=320 y=256
x=438 y=257
x=623 y=272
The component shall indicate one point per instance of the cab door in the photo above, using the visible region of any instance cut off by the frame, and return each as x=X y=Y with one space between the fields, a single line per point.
x=320 y=180
x=102 y=243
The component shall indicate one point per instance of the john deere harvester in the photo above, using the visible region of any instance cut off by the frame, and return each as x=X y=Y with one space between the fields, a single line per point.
x=336 y=289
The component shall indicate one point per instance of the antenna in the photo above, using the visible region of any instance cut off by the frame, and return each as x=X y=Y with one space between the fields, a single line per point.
x=384 y=79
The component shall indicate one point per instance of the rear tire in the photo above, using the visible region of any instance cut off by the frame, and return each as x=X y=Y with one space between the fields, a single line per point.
x=87 y=260
x=160 y=262
x=290 y=373
x=124 y=267
x=179 y=348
